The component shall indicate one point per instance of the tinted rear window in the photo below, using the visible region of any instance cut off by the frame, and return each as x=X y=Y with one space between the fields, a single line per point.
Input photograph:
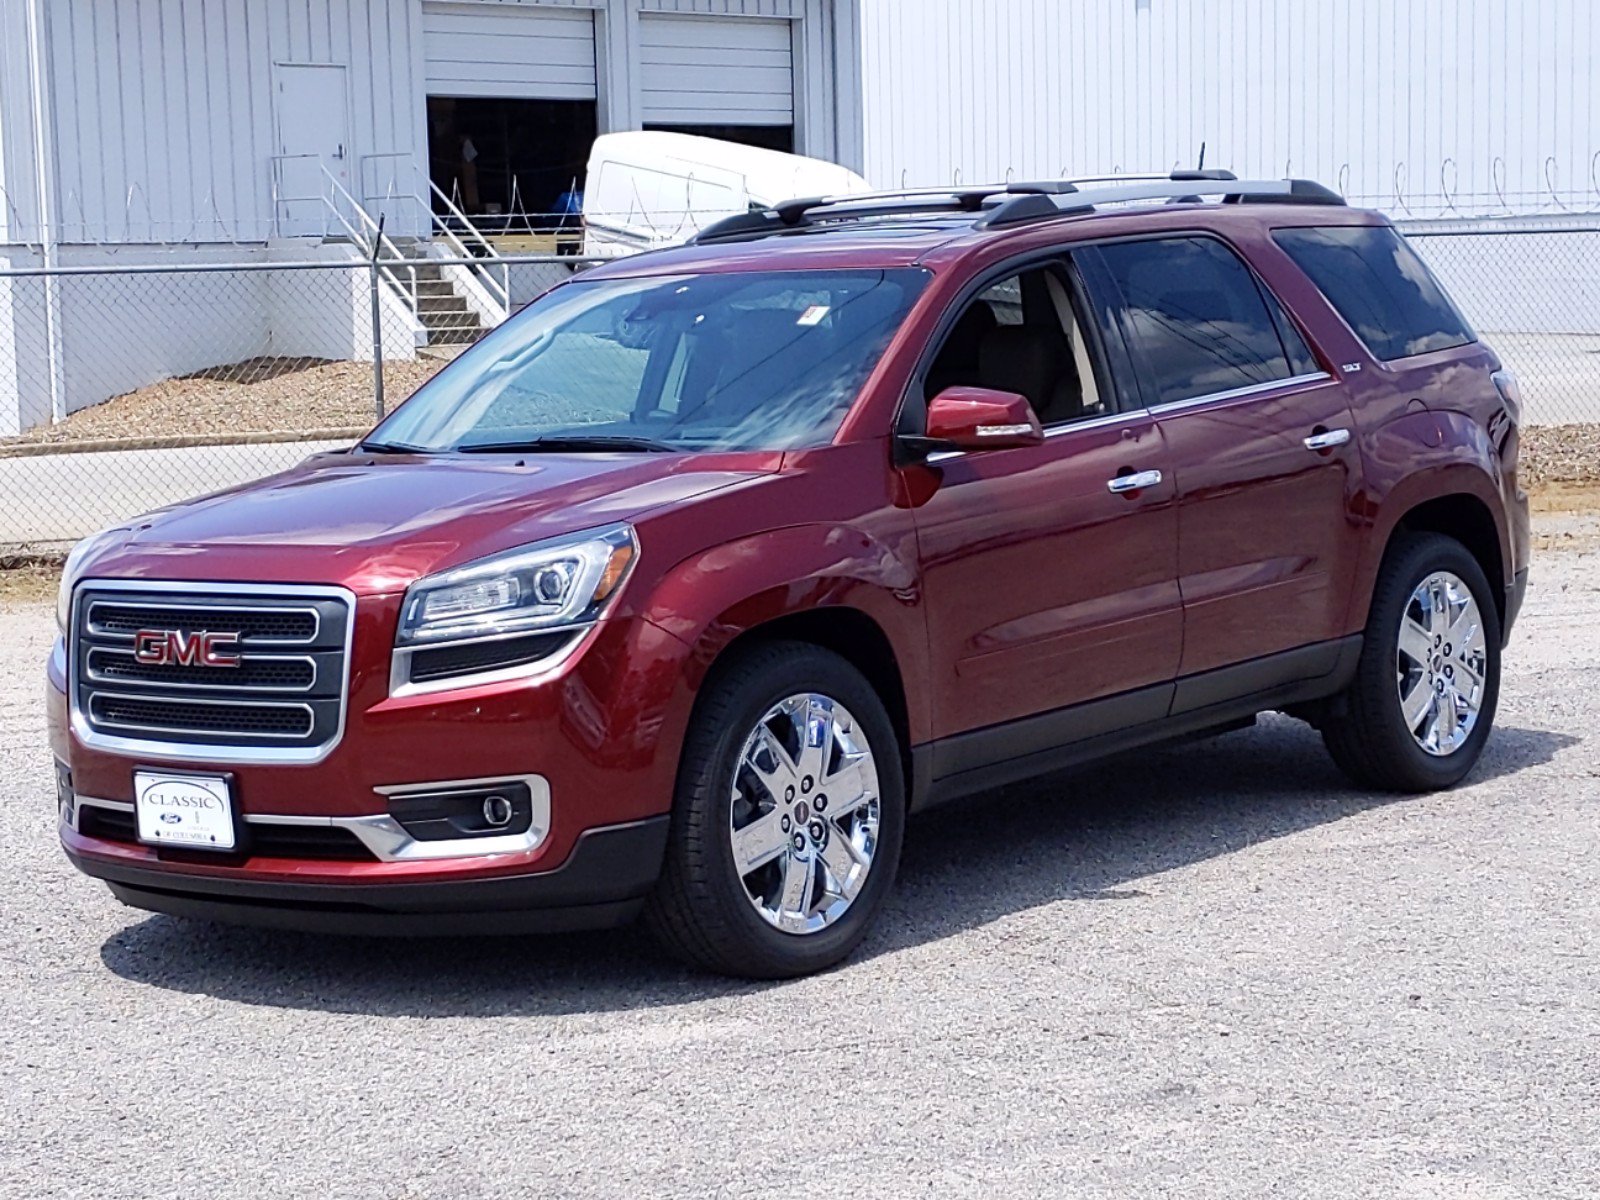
x=1379 y=286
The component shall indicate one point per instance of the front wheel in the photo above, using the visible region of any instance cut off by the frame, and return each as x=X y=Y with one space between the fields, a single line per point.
x=1417 y=715
x=787 y=820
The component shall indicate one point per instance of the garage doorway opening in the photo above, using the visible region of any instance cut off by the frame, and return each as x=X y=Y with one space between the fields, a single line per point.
x=514 y=167
x=767 y=137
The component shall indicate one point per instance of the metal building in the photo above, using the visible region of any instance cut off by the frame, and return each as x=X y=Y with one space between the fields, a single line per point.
x=240 y=121
x=1425 y=108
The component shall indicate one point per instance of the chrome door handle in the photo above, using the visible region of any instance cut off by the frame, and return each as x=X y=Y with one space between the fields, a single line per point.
x=1137 y=481
x=1327 y=439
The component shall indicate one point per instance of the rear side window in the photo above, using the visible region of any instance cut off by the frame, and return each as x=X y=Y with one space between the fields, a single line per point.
x=1379 y=286
x=1198 y=318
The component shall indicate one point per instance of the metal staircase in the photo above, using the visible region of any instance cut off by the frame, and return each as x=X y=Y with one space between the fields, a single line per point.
x=454 y=286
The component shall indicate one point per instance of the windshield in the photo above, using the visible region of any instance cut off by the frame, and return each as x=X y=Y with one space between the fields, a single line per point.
x=766 y=360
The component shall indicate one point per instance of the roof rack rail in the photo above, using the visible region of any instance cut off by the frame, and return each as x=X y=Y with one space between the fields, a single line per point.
x=1013 y=203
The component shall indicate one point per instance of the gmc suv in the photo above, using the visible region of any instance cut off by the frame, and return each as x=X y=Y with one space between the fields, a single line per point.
x=675 y=594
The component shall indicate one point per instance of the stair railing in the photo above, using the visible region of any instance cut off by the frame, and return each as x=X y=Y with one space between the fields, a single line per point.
x=363 y=230
x=489 y=268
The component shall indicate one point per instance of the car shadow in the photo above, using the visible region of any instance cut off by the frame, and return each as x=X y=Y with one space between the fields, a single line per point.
x=1088 y=836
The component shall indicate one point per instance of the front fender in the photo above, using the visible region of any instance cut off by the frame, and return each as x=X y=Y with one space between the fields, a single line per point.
x=716 y=595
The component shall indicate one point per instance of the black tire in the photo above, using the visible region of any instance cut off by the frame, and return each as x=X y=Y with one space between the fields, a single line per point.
x=1364 y=729
x=699 y=910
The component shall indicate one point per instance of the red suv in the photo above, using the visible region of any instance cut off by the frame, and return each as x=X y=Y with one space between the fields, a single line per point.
x=680 y=590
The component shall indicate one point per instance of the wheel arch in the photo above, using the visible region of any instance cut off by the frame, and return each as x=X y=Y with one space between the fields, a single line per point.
x=835 y=587
x=855 y=637
x=1467 y=519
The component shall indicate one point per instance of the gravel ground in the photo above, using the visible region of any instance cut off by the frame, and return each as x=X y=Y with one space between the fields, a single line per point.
x=1213 y=971
x=262 y=395
x=1560 y=454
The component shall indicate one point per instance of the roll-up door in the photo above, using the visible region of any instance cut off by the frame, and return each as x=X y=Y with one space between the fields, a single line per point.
x=512 y=51
x=716 y=70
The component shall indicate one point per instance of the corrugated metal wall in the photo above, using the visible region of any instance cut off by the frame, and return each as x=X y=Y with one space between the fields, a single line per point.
x=1414 y=105
x=492 y=50
x=728 y=70
x=18 y=185
x=163 y=112
x=164 y=108
x=727 y=8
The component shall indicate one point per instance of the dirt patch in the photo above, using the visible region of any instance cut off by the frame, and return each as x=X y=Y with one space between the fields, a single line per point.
x=34 y=583
x=259 y=395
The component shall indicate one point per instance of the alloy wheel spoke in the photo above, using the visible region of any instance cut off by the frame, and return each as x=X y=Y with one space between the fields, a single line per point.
x=1466 y=629
x=782 y=773
x=847 y=787
x=1447 y=721
x=841 y=858
x=1415 y=641
x=799 y=879
x=758 y=843
x=1414 y=704
x=816 y=746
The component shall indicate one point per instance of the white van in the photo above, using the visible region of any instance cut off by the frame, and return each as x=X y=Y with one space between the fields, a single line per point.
x=647 y=190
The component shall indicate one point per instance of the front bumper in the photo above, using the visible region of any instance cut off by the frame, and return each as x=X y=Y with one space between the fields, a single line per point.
x=602 y=883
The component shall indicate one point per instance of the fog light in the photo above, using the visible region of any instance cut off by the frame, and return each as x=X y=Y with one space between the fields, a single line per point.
x=497 y=810
x=469 y=811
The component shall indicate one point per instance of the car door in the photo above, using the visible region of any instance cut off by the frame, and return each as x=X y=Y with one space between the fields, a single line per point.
x=1049 y=578
x=1259 y=436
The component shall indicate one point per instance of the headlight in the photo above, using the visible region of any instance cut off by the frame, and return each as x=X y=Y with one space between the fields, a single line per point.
x=548 y=585
x=72 y=570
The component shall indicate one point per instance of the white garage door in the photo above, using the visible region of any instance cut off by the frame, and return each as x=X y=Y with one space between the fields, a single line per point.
x=716 y=70
x=508 y=50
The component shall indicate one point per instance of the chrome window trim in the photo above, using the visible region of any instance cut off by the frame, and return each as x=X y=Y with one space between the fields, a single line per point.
x=111 y=681
x=203 y=752
x=316 y=617
x=1239 y=393
x=386 y=838
x=1060 y=429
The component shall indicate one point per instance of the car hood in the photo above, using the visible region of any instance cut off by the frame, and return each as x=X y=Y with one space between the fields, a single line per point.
x=374 y=524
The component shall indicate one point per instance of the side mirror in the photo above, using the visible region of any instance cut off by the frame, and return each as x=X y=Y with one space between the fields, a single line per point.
x=977 y=418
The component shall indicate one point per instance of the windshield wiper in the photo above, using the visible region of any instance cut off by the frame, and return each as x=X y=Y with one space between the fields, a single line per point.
x=556 y=442
x=390 y=448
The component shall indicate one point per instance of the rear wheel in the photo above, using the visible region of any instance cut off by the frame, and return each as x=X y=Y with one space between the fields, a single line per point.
x=787 y=821
x=1423 y=700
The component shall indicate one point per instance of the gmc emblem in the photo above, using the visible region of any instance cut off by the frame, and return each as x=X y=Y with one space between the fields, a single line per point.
x=173 y=647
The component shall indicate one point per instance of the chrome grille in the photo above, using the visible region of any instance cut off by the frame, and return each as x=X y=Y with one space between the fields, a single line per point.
x=258 y=672
x=284 y=701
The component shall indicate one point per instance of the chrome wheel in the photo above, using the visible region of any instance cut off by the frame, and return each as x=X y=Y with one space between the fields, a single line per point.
x=804 y=819
x=1441 y=663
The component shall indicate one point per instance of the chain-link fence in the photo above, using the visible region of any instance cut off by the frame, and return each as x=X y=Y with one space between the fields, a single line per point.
x=125 y=388
x=1531 y=288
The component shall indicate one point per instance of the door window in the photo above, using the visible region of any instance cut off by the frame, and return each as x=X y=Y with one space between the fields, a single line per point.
x=1199 y=319
x=1024 y=334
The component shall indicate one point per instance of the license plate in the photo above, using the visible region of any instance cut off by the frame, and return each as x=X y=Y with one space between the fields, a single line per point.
x=193 y=811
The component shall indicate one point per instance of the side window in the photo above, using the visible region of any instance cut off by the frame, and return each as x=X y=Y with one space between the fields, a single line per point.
x=1023 y=333
x=1198 y=317
x=1379 y=286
